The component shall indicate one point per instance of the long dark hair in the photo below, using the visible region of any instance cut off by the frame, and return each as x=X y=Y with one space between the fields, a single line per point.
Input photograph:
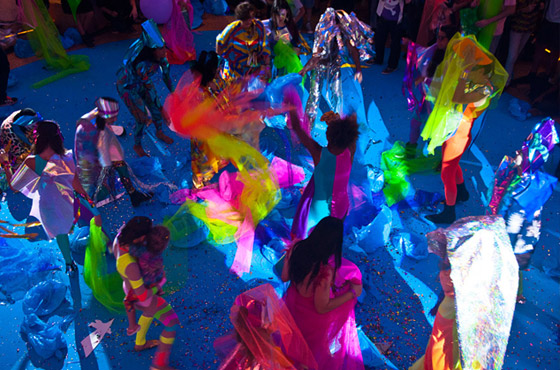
x=290 y=24
x=310 y=254
x=47 y=135
x=343 y=132
x=206 y=65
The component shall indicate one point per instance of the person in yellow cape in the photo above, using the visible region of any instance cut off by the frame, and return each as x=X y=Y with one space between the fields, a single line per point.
x=464 y=85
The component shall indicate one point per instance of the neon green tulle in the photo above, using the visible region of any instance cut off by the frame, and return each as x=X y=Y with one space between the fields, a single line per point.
x=396 y=167
x=286 y=59
x=46 y=43
x=106 y=288
x=465 y=59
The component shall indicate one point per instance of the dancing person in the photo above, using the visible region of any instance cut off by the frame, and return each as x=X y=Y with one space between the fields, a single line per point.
x=322 y=294
x=426 y=61
x=5 y=100
x=473 y=320
x=99 y=154
x=48 y=177
x=285 y=40
x=338 y=34
x=16 y=135
x=204 y=163
x=471 y=78
x=150 y=263
x=326 y=194
x=144 y=58
x=243 y=45
x=135 y=232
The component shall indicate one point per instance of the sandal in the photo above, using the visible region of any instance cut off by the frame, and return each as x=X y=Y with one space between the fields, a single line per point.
x=152 y=343
x=132 y=332
x=521 y=299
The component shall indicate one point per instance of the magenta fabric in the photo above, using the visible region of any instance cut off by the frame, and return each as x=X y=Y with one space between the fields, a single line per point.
x=332 y=337
x=177 y=35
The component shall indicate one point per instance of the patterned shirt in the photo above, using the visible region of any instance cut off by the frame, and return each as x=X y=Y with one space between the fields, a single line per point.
x=244 y=49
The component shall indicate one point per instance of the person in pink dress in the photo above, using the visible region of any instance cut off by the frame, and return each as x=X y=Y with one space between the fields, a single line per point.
x=323 y=291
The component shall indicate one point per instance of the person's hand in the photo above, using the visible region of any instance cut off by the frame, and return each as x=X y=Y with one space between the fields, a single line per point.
x=482 y=23
x=358 y=76
x=134 y=13
x=97 y=220
x=357 y=288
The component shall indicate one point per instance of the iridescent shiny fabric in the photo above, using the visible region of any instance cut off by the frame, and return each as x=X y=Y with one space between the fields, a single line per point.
x=484 y=272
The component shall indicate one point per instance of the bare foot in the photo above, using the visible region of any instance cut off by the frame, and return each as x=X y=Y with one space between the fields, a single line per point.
x=148 y=345
x=140 y=151
x=132 y=330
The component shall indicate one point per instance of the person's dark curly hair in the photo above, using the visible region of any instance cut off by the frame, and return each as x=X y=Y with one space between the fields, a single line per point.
x=206 y=65
x=343 y=132
x=244 y=11
x=135 y=228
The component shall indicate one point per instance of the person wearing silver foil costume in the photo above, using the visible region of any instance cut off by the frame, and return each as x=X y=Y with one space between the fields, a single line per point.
x=99 y=154
x=336 y=33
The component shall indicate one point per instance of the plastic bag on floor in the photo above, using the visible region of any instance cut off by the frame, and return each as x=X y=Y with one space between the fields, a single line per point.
x=44 y=298
x=46 y=340
x=376 y=234
x=411 y=245
x=22 y=268
x=78 y=245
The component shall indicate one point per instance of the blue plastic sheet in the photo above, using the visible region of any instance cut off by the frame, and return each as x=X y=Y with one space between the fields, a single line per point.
x=411 y=245
x=371 y=355
x=198 y=11
x=22 y=267
x=78 y=244
x=216 y=7
x=44 y=298
x=46 y=340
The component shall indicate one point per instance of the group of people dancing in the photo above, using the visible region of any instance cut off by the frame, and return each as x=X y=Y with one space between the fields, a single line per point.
x=460 y=80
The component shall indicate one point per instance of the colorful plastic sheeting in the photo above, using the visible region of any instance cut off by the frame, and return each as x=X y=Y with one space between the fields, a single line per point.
x=106 y=288
x=244 y=198
x=396 y=167
x=484 y=272
x=47 y=341
x=22 y=267
x=266 y=335
x=465 y=59
x=44 y=298
x=178 y=37
x=46 y=43
x=417 y=61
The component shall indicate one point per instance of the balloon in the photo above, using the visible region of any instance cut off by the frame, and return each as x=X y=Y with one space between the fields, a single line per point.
x=159 y=11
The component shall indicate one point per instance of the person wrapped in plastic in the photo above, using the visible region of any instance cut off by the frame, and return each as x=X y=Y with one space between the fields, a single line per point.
x=478 y=274
x=285 y=40
x=520 y=191
x=337 y=33
x=323 y=292
x=471 y=78
x=48 y=177
x=266 y=335
x=243 y=45
x=143 y=59
x=99 y=154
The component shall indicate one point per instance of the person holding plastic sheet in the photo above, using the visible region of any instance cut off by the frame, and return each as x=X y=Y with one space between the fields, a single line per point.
x=424 y=61
x=136 y=231
x=99 y=154
x=48 y=177
x=285 y=40
x=323 y=291
x=326 y=194
x=470 y=78
x=266 y=335
x=338 y=34
x=473 y=320
x=243 y=45
x=16 y=135
x=144 y=58
x=520 y=191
